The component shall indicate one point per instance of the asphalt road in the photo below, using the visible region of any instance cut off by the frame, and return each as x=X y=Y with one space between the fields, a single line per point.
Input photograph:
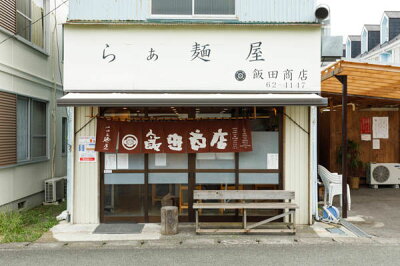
x=338 y=254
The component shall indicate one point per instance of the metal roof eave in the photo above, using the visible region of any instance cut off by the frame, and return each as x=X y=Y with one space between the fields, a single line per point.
x=188 y=22
x=162 y=100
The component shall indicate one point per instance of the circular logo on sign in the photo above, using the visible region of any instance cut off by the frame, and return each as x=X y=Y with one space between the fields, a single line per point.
x=129 y=142
x=240 y=75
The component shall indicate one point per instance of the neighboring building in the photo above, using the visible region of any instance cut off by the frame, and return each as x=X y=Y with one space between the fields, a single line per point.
x=128 y=62
x=353 y=46
x=379 y=43
x=32 y=129
x=370 y=37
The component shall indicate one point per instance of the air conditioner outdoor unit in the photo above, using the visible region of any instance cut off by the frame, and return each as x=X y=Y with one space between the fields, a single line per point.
x=384 y=174
x=54 y=189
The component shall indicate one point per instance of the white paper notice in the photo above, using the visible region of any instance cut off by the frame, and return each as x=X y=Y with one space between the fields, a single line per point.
x=273 y=161
x=366 y=137
x=376 y=144
x=380 y=127
x=122 y=161
x=110 y=161
x=160 y=159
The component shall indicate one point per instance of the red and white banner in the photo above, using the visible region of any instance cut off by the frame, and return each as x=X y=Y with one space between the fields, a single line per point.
x=174 y=136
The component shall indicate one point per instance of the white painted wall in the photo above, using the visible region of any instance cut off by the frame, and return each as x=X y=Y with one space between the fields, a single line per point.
x=296 y=159
x=27 y=71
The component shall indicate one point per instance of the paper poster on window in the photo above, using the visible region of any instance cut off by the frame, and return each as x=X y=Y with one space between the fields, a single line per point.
x=160 y=159
x=273 y=161
x=380 y=127
x=110 y=161
x=122 y=161
x=86 y=149
x=376 y=144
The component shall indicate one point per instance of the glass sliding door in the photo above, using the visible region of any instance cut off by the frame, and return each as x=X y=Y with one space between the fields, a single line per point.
x=124 y=190
x=215 y=171
x=168 y=183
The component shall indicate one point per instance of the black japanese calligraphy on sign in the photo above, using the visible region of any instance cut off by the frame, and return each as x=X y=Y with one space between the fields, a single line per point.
x=105 y=56
x=303 y=76
x=255 y=53
x=152 y=56
x=288 y=74
x=273 y=74
x=201 y=52
x=258 y=74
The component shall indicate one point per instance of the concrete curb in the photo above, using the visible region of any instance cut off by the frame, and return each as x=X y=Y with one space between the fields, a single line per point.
x=199 y=243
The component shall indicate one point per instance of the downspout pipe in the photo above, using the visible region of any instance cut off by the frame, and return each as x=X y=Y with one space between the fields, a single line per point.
x=70 y=163
x=314 y=161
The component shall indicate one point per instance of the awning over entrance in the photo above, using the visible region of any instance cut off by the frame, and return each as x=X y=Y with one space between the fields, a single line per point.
x=363 y=79
x=188 y=99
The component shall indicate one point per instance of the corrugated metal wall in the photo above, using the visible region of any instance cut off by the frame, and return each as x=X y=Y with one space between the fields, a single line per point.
x=296 y=159
x=86 y=175
x=279 y=11
x=272 y=11
x=108 y=10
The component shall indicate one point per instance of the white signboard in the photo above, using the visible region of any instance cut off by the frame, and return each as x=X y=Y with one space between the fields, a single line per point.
x=380 y=127
x=202 y=58
x=86 y=152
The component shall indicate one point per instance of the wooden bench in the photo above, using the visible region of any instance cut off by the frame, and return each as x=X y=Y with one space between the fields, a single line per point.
x=247 y=200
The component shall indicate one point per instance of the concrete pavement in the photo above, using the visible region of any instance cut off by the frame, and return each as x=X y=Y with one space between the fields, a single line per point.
x=376 y=211
x=223 y=253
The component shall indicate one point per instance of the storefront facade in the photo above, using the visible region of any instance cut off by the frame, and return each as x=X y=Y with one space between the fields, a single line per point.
x=141 y=92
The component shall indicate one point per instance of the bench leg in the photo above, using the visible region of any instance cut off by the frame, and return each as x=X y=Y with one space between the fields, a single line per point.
x=197 y=221
x=294 y=220
x=244 y=219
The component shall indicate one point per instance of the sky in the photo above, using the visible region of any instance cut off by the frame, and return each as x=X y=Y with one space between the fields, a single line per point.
x=349 y=16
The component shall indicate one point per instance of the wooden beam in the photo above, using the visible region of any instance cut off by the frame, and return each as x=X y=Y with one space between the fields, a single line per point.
x=367 y=66
x=334 y=70
x=363 y=92
x=361 y=97
x=372 y=74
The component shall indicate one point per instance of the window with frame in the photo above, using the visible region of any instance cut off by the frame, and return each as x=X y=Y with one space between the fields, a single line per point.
x=193 y=7
x=30 y=21
x=31 y=129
